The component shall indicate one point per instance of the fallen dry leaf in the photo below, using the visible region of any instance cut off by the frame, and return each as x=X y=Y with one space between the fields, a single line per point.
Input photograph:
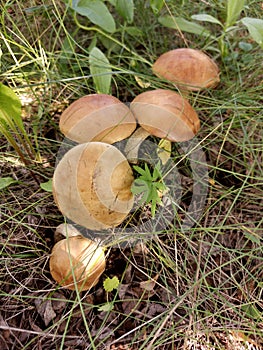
x=45 y=310
x=149 y=284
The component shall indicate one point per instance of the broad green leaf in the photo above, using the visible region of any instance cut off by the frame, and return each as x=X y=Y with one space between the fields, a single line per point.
x=156 y=5
x=111 y=283
x=255 y=28
x=10 y=108
x=126 y=9
x=97 y=12
x=100 y=70
x=206 y=18
x=6 y=181
x=112 y=2
x=234 y=8
x=245 y=46
x=47 y=186
x=182 y=24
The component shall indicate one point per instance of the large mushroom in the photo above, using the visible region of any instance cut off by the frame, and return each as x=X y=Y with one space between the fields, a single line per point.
x=188 y=69
x=97 y=117
x=77 y=263
x=92 y=185
x=166 y=114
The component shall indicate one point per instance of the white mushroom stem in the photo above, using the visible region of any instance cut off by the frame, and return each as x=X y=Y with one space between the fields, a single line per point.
x=133 y=144
x=67 y=230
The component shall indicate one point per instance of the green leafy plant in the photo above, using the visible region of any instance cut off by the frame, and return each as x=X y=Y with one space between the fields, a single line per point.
x=100 y=70
x=231 y=23
x=108 y=32
x=6 y=181
x=12 y=127
x=47 y=186
x=149 y=186
x=109 y=285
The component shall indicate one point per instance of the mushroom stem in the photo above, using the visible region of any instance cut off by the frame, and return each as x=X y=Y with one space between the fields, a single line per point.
x=133 y=144
x=67 y=230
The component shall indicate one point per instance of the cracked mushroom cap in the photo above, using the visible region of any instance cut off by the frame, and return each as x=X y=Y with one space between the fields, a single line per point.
x=97 y=117
x=92 y=185
x=189 y=69
x=166 y=114
x=77 y=257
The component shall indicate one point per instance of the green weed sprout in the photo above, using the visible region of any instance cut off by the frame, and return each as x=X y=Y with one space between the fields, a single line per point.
x=109 y=285
x=149 y=185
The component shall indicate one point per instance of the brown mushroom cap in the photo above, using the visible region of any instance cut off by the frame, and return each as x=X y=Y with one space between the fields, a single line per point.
x=97 y=117
x=78 y=254
x=166 y=114
x=187 y=68
x=92 y=185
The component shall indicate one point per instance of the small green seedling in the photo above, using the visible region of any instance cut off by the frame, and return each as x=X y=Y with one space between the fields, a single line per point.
x=149 y=185
x=109 y=285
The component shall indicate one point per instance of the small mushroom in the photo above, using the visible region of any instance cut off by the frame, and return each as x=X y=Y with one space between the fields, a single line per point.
x=166 y=114
x=188 y=69
x=77 y=262
x=92 y=185
x=97 y=117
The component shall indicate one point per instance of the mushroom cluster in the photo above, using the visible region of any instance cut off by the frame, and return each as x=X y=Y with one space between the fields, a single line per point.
x=92 y=182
